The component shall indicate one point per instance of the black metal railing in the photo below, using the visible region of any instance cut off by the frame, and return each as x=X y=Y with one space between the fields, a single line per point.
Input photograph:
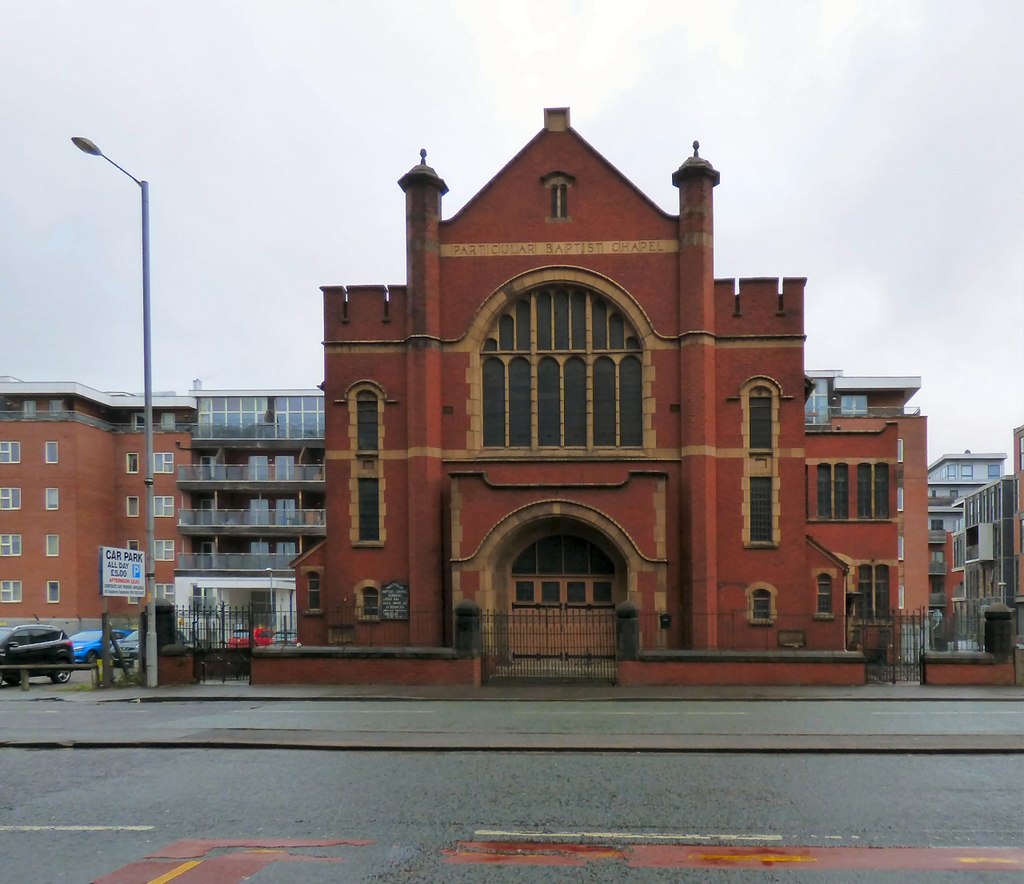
x=742 y=630
x=377 y=627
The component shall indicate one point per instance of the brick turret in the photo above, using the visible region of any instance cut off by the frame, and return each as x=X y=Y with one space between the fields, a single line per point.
x=695 y=179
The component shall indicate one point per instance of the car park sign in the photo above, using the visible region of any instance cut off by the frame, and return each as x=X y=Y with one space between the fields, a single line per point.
x=122 y=572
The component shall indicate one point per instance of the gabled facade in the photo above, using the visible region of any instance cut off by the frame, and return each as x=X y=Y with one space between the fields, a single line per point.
x=562 y=409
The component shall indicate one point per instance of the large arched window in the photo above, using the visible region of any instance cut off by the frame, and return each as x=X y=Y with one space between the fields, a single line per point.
x=563 y=570
x=562 y=368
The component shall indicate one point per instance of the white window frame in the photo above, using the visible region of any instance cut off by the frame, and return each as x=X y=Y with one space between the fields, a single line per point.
x=131 y=461
x=131 y=506
x=899 y=451
x=51 y=452
x=10 y=591
x=52 y=592
x=10 y=452
x=165 y=591
x=899 y=548
x=11 y=543
x=160 y=551
x=163 y=506
x=131 y=544
x=52 y=545
x=163 y=461
x=10 y=498
x=899 y=500
x=51 y=498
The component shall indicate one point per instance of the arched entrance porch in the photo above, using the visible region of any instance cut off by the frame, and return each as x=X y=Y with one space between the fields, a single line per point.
x=551 y=578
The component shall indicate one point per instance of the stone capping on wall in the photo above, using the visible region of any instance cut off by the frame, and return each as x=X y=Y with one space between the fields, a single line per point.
x=358 y=652
x=959 y=658
x=780 y=656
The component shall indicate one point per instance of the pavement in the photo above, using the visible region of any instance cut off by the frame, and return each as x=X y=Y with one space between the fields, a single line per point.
x=535 y=692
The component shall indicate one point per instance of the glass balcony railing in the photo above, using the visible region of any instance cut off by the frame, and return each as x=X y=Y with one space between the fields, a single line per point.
x=220 y=472
x=251 y=518
x=306 y=429
x=821 y=418
x=234 y=561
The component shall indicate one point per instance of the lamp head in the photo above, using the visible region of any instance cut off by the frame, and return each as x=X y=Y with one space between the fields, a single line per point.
x=86 y=146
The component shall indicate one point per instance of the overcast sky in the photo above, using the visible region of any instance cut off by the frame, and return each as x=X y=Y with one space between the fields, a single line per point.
x=876 y=148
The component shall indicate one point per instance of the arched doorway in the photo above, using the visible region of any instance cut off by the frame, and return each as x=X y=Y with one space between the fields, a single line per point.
x=559 y=622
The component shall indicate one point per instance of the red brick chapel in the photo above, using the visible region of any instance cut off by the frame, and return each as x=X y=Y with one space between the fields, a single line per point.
x=562 y=409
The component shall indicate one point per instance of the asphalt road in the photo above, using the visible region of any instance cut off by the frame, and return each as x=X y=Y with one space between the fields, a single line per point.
x=136 y=815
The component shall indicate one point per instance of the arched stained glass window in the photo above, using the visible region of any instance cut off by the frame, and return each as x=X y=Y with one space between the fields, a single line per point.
x=563 y=368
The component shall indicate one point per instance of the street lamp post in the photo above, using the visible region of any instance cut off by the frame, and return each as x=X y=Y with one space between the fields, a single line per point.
x=85 y=145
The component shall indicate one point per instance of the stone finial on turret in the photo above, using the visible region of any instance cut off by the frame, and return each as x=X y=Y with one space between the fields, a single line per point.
x=421 y=173
x=694 y=166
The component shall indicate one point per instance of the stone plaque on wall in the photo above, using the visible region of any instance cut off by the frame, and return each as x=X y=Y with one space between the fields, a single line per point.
x=394 y=601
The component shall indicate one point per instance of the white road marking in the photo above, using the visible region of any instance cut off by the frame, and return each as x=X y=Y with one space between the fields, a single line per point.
x=77 y=828
x=637 y=713
x=346 y=712
x=945 y=714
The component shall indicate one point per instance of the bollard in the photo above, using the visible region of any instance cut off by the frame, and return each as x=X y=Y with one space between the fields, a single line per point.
x=999 y=631
x=627 y=631
x=24 y=679
x=467 y=628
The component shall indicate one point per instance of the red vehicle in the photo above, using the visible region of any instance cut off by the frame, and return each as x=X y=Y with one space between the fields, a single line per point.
x=241 y=638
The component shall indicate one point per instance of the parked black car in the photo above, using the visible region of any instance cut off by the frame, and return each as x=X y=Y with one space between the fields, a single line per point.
x=35 y=643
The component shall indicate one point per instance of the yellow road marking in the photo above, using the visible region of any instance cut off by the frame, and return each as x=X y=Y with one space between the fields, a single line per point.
x=752 y=857
x=988 y=859
x=175 y=872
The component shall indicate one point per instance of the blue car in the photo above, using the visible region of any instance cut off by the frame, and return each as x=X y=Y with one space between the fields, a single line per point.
x=89 y=644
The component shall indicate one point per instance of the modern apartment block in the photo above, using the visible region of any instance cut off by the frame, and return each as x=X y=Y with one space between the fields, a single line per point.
x=252 y=498
x=238 y=492
x=72 y=469
x=983 y=548
x=951 y=478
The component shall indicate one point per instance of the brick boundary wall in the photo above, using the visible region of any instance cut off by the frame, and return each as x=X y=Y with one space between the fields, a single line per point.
x=176 y=669
x=690 y=668
x=966 y=668
x=398 y=666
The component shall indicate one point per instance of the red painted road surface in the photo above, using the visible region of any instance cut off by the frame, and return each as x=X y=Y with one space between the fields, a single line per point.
x=232 y=861
x=697 y=856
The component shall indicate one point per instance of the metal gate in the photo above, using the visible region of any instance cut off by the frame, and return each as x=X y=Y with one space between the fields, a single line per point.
x=556 y=643
x=221 y=638
x=893 y=646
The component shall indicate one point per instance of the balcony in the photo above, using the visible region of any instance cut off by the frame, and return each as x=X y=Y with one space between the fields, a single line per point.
x=979 y=553
x=936 y=537
x=271 y=522
x=936 y=600
x=235 y=561
x=821 y=421
x=197 y=477
x=284 y=430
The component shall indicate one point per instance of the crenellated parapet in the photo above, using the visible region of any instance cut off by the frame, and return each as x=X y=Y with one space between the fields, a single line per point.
x=760 y=306
x=364 y=312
